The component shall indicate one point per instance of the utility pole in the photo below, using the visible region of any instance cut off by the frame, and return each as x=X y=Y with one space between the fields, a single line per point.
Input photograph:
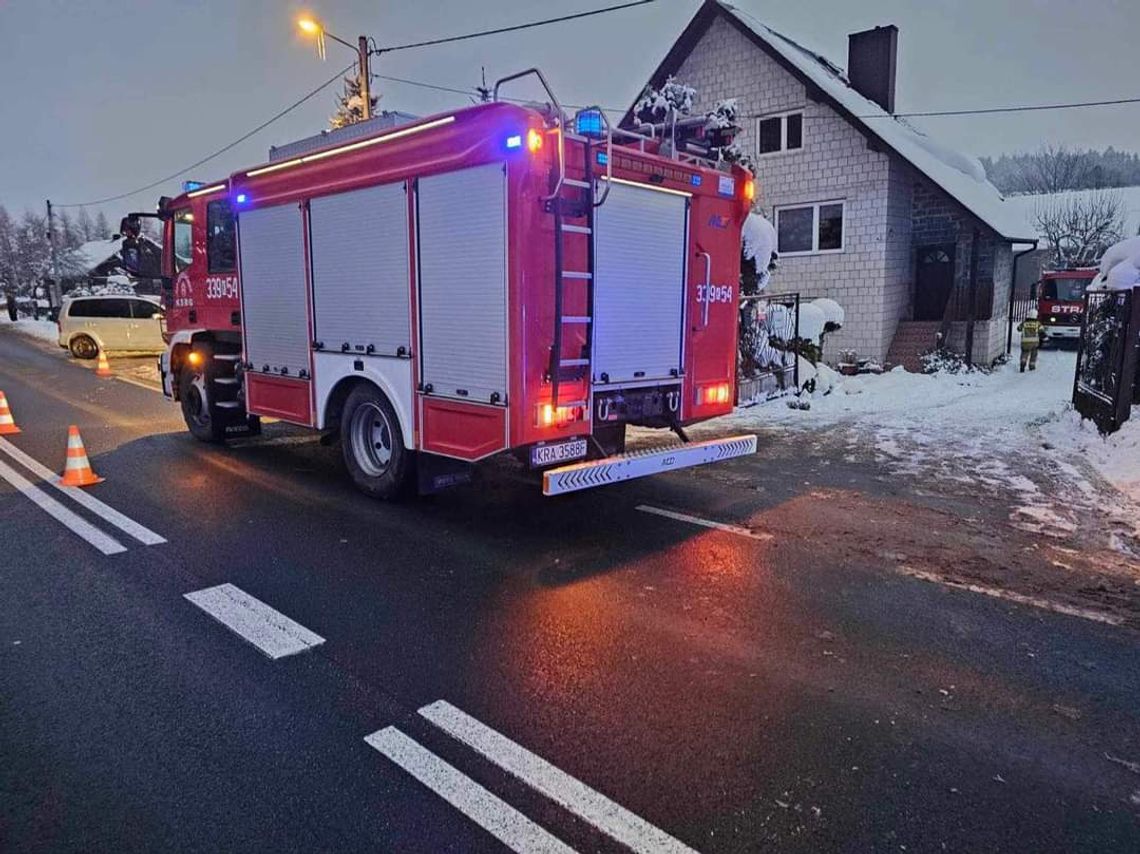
x=54 y=262
x=365 y=74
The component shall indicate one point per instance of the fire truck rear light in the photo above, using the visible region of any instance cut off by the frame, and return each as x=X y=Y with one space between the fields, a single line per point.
x=533 y=140
x=718 y=394
x=558 y=416
x=749 y=190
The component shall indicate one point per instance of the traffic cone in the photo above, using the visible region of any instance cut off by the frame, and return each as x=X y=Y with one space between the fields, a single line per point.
x=7 y=422
x=78 y=471
x=103 y=369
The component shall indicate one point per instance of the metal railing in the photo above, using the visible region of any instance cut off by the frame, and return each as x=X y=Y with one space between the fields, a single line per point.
x=769 y=335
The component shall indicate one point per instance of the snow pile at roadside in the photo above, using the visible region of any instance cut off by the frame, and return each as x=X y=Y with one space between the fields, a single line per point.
x=44 y=330
x=1116 y=458
x=1002 y=434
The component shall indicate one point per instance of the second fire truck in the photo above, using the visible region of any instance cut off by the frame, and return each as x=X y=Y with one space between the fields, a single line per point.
x=499 y=279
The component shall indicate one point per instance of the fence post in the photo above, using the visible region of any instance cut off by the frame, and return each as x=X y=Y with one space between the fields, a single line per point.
x=972 y=298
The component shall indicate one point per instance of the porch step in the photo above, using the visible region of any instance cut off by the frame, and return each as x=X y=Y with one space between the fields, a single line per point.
x=912 y=339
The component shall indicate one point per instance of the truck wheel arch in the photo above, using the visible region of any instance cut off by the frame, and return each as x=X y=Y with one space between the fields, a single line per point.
x=334 y=402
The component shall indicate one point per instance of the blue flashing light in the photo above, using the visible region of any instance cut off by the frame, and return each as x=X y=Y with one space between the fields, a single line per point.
x=589 y=123
x=191 y=186
x=241 y=197
x=603 y=158
x=514 y=141
x=695 y=180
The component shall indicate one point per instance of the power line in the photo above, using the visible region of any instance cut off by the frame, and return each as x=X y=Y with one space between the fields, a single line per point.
x=981 y=111
x=1022 y=108
x=573 y=17
x=220 y=151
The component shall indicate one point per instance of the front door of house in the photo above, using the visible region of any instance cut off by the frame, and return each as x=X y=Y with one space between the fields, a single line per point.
x=933 y=281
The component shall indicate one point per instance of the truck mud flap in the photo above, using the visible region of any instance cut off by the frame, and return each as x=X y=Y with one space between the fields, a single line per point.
x=636 y=464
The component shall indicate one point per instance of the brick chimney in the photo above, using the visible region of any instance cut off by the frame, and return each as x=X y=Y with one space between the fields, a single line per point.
x=871 y=59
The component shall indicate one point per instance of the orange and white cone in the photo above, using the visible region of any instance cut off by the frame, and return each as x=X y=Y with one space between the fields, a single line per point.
x=78 y=471
x=103 y=369
x=7 y=422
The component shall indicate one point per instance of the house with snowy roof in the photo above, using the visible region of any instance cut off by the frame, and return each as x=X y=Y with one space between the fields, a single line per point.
x=868 y=210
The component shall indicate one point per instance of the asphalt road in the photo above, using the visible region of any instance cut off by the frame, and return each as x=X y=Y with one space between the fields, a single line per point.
x=529 y=672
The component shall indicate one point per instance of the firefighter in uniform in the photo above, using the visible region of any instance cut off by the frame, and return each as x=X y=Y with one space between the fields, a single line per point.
x=1030 y=340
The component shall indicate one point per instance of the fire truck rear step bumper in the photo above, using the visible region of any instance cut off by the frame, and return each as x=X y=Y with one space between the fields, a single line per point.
x=636 y=464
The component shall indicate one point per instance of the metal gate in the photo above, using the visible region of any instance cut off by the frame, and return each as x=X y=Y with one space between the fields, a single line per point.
x=1105 y=387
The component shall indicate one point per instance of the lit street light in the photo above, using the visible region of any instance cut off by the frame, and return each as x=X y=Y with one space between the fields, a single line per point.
x=311 y=26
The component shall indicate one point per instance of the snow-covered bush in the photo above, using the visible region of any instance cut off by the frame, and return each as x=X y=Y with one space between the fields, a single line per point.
x=655 y=105
x=1120 y=266
x=758 y=249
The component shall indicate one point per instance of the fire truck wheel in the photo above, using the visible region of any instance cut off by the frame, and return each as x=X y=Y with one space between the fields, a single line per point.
x=193 y=389
x=374 y=452
x=83 y=347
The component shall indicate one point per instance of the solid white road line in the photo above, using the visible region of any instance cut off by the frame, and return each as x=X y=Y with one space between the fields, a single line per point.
x=107 y=545
x=572 y=794
x=705 y=523
x=490 y=812
x=108 y=514
x=268 y=630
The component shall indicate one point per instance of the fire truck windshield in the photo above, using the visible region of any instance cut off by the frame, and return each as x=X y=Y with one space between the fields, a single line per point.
x=1065 y=290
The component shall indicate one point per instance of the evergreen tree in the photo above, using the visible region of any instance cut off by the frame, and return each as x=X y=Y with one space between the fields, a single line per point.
x=102 y=229
x=7 y=251
x=350 y=105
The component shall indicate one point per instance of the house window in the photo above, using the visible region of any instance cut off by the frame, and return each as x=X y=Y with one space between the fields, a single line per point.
x=810 y=229
x=783 y=132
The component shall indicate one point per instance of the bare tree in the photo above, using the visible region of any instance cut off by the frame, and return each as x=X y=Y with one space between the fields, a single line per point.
x=1080 y=226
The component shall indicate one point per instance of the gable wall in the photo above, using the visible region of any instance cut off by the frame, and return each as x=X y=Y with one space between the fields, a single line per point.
x=870 y=279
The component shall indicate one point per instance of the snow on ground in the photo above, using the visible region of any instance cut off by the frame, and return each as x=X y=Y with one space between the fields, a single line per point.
x=1002 y=434
x=44 y=330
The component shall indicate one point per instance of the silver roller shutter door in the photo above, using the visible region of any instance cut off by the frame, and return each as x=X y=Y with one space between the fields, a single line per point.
x=639 y=263
x=361 y=287
x=463 y=282
x=275 y=310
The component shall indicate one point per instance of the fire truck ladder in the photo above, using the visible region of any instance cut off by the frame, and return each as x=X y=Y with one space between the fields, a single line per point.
x=571 y=199
x=576 y=200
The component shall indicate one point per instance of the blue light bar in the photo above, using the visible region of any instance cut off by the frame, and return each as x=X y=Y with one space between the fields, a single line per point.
x=514 y=141
x=188 y=186
x=589 y=123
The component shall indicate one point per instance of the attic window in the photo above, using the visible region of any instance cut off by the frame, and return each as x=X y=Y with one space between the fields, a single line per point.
x=782 y=132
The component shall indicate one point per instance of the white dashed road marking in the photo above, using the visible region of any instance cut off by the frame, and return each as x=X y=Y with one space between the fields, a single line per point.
x=109 y=514
x=705 y=523
x=107 y=545
x=570 y=793
x=268 y=630
x=490 y=812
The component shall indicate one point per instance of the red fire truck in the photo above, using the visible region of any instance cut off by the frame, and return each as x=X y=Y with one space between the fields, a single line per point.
x=1061 y=302
x=500 y=279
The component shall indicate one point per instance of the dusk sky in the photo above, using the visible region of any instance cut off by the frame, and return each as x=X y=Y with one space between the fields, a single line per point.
x=101 y=97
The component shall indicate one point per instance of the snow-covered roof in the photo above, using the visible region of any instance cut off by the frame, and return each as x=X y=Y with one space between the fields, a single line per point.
x=87 y=256
x=960 y=176
x=1028 y=206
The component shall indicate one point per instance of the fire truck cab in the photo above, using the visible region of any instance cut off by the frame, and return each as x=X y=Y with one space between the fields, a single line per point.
x=500 y=279
x=1061 y=302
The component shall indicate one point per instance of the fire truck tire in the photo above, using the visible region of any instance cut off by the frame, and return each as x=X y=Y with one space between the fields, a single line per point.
x=194 y=394
x=373 y=444
x=83 y=347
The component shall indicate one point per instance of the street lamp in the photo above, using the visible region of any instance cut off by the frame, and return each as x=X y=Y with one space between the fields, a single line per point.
x=311 y=26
